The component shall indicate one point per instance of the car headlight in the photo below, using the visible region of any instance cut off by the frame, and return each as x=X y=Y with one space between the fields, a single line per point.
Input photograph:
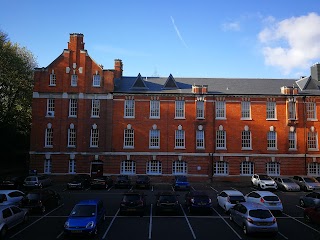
x=66 y=224
x=90 y=224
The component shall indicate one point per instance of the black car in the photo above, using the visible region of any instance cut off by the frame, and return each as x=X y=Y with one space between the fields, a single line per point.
x=198 y=200
x=12 y=182
x=133 y=202
x=40 y=200
x=123 y=181
x=143 y=181
x=167 y=202
x=79 y=181
x=103 y=182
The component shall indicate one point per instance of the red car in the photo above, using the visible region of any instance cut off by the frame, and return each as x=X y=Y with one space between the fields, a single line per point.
x=312 y=214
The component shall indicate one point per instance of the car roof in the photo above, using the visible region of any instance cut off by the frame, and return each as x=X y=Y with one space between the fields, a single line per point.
x=253 y=205
x=133 y=193
x=233 y=192
x=8 y=191
x=5 y=206
x=265 y=193
x=89 y=202
x=199 y=193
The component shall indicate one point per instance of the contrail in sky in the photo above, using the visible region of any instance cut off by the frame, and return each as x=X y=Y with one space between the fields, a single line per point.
x=178 y=33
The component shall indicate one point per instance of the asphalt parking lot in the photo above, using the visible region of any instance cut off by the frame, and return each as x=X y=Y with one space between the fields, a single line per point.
x=215 y=225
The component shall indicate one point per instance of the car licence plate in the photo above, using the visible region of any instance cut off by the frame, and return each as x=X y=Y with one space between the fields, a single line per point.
x=76 y=231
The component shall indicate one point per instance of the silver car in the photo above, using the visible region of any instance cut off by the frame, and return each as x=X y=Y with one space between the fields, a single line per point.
x=253 y=218
x=11 y=216
x=310 y=200
x=307 y=183
x=286 y=184
x=11 y=197
x=37 y=181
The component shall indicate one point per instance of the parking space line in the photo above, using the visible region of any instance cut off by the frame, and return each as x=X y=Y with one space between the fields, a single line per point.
x=282 y=235
x=301 y=222
x=193 y=188
x=172 y=189
x=114 y=217
x=150 y=222
x=36 y=221
x=151 y=188
x=110 y=189
x=186 y=218
x=227 y=224
x=214 y=189
x=235 y=189
x=59 y=235
x=299 y=207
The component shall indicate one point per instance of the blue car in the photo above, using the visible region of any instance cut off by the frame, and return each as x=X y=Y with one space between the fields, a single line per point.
x=85 y=218
x=181 y=183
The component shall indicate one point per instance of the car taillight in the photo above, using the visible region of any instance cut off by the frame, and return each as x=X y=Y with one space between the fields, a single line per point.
x=261 y=200
x=192 y=200
x=40 y=202
x=228 y=199
x=249 y=220
x=209 y=200
x=274 y=220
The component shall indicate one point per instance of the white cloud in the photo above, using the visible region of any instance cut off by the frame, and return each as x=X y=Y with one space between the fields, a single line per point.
x=291 y=43
x=231 y=26
x=178 y=32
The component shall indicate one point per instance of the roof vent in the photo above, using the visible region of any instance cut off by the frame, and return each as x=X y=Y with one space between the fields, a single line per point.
x=199 y=89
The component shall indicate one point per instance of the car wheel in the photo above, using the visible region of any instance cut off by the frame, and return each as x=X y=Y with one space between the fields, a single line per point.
x=43 y=209
x=231 y=218
x=189 y=209
x=302 y=203
x=245 y=230
x=305 y=189
x=259 y=186
x=3 y=232
x=307 y=218
x=25 y=218
x=95 y=231
x=225 y=209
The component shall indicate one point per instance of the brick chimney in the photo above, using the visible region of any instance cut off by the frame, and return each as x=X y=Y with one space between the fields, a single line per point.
x=118 y=68
x=76 y=42
x=315 y=71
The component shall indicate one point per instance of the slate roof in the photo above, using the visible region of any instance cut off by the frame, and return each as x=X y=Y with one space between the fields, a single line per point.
x=223 y=86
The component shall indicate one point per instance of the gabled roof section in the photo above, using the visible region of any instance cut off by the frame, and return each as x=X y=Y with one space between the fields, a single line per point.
x=307 y=83
x=170 y=83
x=139 y=83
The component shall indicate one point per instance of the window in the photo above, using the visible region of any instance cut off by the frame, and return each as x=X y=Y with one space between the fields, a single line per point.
x=73 y=103
x=128 y=138
x=179 y=109
x=312 y=140
x=74 y=80
x=272 y=140
x=245 y=110
x=154 y=109
x=48 y=142
x=200 y=109
x=154 y=138
x=154 y=167
x=129 y=108
x=221 y=139
x=311 y=111
x=273 y=168
x=292 y=110
x=6 y=213
x=271 y=110
x=246 y=140
x=200 y=139
x=179 y=168
x=53 y=80
x=50 y=107
x=94 y=136
x=221 y=168
x=71 y=136
x=72 y=166
x=128 y=167
x=179 y=139
x=292 y=140
x=95 y=108
x=47 y=166
x=314 y=169
x=247 y=168
x=220 y=110
x=96 y=80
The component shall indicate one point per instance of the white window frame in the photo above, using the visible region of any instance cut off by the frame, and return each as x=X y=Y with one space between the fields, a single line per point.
x=95 y=108
x=129 y=108
x=179 y=167
x=221 y=168
x=246 y=140
x=94 y=137
x=72 y=137
x=154 y=138
x=273 y=168
x=221 y=137
x=179 y=109
x=200 y=109
x=313 y=169
x=72 y=166
x=292 y=137
x=271 y=110
x=292 y=114
x=312 y=141
x=47 y=166
x=245 y=110
x=128 y=167
x=96 y=80
x=311 y=111
x=154 y=167
x=50 y=107
x=246 y=168
x=272 y=140
x=128 y=141
x=200 y=139
x=155 y=109
x=179 y=139
x=48 y=142
x=73 y=107
x=220 y=109
x=74 y=80
x=53 y=79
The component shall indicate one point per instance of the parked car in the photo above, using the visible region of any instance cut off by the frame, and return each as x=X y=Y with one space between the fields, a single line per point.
x=312 y=214
x=181 y=183
x=12 y=182
x=286 y=184
x=79 y=181
x=263 y=182
x=266 y=198
x=11 y=197
x=307 y=183
x=167 y=202
x=40 y=200
x=133 y=202
x=11 y=216
x=198 y=200
x=103 y=182
x=310 y=199
x=228 y=198
x=123 y=181
x=37 y=181
x=143 y=181
x=253 y=218
x=85 y=218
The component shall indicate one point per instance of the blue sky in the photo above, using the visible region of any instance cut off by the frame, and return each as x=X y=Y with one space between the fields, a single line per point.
x=187 y=38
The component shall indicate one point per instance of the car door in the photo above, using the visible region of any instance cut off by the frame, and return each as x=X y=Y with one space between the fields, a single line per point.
x=222 y=199
x=8 y=217
x=311 y=199
x=253 y=197
x=18 y=215
x=16 y=197
x=236 y=213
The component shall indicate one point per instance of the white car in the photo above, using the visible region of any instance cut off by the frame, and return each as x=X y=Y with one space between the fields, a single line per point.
x=266 y=198
x=11 y=216
x=228 y=198
x=11 y=197
x=263 y=181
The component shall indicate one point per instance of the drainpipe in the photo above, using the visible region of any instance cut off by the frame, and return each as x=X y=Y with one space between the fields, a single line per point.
x=305 y=135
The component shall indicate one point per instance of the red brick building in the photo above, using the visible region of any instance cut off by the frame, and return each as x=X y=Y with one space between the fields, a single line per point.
x=90 y=120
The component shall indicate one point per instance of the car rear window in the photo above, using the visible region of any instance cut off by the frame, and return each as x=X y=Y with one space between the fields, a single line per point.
x=271 y=198
x=2 y=198
x=83 y=211
x=167 y=198
x=33 y=196
x=260 y=213
x=202 y=198
x=309 y=180
x=286 y=180
x=264 y=177
x=31 y=179
x=131 y=198
x=236 y=199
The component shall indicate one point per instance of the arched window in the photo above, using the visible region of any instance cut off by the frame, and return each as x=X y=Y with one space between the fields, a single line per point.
x=154 y=167
x=221 y=168
x=247 y=168
x=128 y=167
x=179 y=168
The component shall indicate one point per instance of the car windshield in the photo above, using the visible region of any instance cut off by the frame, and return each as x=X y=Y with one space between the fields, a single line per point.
x=260 y=213
x=236 y=199
x=182 y=179
x=131 y=198
x=143 y=178
x=167 y=198
x=33 y=196
x=122 y=177
x=287 y=180
x=264 y=177
x=309 y=180
x=271 y=198
x=31 y=179
x=202 y=198
x=83 y=211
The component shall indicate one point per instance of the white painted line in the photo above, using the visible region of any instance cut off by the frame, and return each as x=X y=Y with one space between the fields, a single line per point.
x=59 y=235
x=114 y=217
x=302 y=223
x=150 y=222
x=172 y=189
x=185 y=216
x=299 y=207
x=283 y=235
x=35 y=221
x=110 y=188
x=193 y=188
x=214 y=189
x=227 y=224
x=151 y=188
x=253 y=188
x=235 y=189
x=131 y=188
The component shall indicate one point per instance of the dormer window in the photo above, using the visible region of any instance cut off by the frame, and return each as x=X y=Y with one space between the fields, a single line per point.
x=74 y=80
x=96 y=80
